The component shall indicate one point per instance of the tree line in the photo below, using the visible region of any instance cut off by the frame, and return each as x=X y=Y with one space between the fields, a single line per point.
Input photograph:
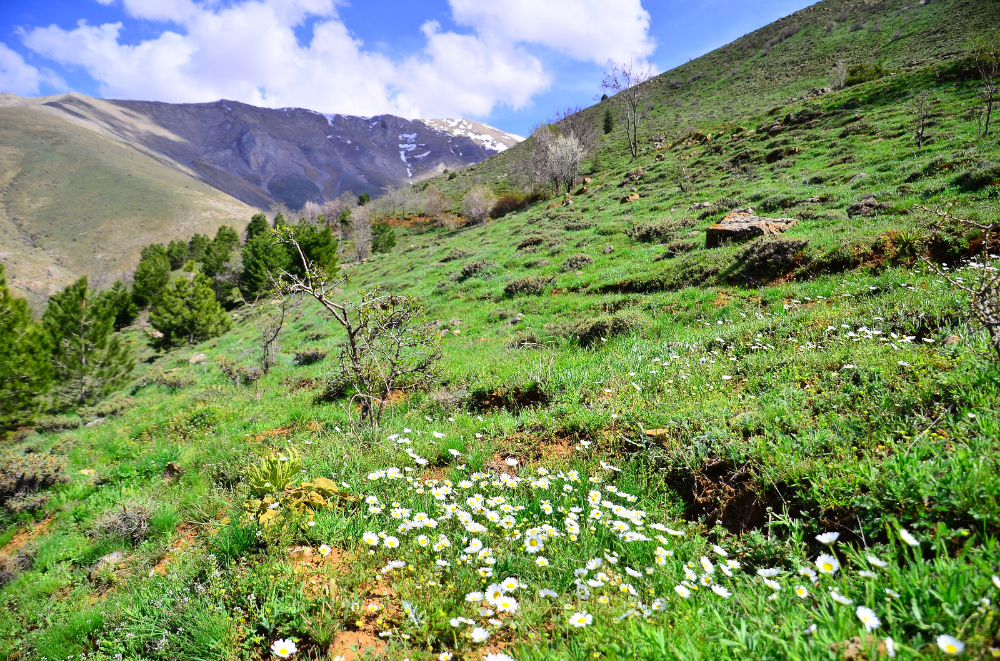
x=75 y=354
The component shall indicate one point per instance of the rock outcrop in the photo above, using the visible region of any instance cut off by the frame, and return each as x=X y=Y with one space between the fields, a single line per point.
x=743 y=226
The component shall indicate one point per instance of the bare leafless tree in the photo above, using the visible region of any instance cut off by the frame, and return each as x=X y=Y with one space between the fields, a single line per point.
x=986 y=54
x=434 y=202
x=361 y=225
x=564 y=157
x=477 y=203
x=269 y=318
x=311 y=211
x=390 y=346
x=839 y=75
x=623 y=82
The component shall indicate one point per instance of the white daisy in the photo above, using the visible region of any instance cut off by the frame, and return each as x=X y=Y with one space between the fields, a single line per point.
x=949 y=644
x=868 y=618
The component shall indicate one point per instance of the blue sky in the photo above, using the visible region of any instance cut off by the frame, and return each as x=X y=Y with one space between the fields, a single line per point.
x=509 y=63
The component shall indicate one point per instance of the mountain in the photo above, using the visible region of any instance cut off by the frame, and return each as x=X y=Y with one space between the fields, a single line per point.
x=85 y=182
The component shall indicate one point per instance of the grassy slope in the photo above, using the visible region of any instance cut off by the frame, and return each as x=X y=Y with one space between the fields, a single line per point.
x=827 y=422
x=78 y=202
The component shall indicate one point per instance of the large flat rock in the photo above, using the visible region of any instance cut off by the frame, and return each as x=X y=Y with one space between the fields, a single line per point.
x=742 y=226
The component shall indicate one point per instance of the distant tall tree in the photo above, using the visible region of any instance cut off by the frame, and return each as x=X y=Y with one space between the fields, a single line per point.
x=261 y=257
x=383 y=237
x=623 y=82
x=197 y=247
x=177 y=252
x=609 y=121
x=88 y=358
x=317 y=244
x=565 y=155
x=986 y=53
x=219 y=251
x=120 y=299
x=188 y=312
x=364 y=199
x=151 y=275
x=258 y=225
x=25 y=371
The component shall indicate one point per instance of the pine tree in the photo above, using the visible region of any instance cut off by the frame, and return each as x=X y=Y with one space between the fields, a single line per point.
x=219 y=251
x=177 y=253
x=318 y=245
x=187 y=311
x=120 y=299
x=25 y=373
x=88 y=358
x=609 y=121
x=262 y=257
x=383 y=237
x=151 y=275
x=258 y=225
x=197 y=247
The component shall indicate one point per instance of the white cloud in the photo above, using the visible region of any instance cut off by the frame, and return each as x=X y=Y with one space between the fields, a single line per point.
x=19 y=77
x=248 y=51
x=593 y=30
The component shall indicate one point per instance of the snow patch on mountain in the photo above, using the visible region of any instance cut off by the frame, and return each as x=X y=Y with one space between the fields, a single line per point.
x=488 y=137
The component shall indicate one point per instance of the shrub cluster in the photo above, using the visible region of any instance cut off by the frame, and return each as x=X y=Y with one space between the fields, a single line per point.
x=577 y=262
x=531 y=285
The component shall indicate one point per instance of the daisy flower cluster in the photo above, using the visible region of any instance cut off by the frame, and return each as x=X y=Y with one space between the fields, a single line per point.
x=576 y=549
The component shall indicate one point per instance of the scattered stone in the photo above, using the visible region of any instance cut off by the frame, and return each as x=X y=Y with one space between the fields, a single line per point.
x=455 y=322
x=608 y=250
x=782 y=152
x=868 y=206
x=742 y=226
x=172 y=471
x=197 y=358
x=516 y=319
x=700 y=205
x=858 y=177
x=94 y=423
x=631 y=198
x=110 y=561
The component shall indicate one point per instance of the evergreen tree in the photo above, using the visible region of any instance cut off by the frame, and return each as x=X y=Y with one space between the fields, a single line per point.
x=88 y=358
x=383 y=237
x=609 y=121
x=177 y=253
x=219 y=251
x=188 y=312
x=151 y=276
x=318 y=245
x=364 y=199
x=25 y=372
x=258 y=225
x=262 y=257
x=120 y=300
x=197 y=247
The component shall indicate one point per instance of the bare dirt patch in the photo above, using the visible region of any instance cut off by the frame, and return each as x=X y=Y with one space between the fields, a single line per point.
x=25 y=536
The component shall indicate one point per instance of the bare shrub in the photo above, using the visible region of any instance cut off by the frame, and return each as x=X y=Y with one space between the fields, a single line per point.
x=656 y=232
x=130 y=522
x=531 y=285
x=478 y=267
x=309 y=356
x=434 y=202
x=986 y=54
x=477 y=203
x=361 y=226
x=532 y=241
x=28 y=474
x=577 y=262
x=455 y=254
x=592 y=331
x=390 y=346
x=268 y=318
x=839 y=76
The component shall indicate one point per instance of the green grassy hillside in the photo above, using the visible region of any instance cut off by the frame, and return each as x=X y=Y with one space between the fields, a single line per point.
x=77 y=201
x=701 y=414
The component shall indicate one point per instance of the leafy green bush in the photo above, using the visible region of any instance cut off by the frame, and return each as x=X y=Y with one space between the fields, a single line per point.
x=478 y=267
x=383 y=238
x=863 y=73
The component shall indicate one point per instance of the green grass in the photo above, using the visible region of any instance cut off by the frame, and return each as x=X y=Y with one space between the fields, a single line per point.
x=845 y=390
